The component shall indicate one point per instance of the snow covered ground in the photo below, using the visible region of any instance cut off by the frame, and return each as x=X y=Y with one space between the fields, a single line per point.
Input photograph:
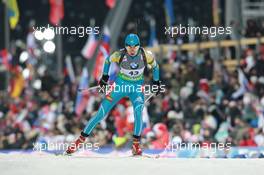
x=48 y=164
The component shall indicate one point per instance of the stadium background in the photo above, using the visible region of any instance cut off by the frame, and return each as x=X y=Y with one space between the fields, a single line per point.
x=215 y=86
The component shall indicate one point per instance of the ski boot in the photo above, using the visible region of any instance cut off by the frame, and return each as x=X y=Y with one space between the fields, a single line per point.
x=136 y=149
x=74 y=146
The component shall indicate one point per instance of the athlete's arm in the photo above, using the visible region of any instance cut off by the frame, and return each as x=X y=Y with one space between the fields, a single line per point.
x=153 y=64
x=114 y=57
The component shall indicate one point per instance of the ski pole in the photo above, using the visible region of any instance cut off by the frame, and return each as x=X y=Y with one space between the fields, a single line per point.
x=149 y=97
x=88 y=89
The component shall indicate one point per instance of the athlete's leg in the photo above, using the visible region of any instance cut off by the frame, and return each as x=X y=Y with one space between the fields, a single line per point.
x=106 y=105
x=108 y=102
x=137 y=99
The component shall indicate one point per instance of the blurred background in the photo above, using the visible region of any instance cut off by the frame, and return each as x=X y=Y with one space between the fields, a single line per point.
x=214 y=85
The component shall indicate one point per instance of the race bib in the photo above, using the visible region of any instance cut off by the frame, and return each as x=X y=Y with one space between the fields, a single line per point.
x=132 y=73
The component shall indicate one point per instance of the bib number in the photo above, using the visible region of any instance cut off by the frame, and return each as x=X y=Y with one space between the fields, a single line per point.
x=133 y=73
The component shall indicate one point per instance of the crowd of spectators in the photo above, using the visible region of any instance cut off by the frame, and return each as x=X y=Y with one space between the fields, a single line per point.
x=203 y=102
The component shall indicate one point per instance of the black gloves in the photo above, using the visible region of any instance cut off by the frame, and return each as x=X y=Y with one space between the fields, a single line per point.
x=103 y=83
x=156 y=87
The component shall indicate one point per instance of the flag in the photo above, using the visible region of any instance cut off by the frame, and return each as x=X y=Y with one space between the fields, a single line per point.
x=31 y=46
x=243 y=81
x=56 y=11
x=245 y=86
x=114 y=69
x=170 y=18
x=69 y=72
x=13 y=13
x=89 y=47
x=17 y=82
x=31 y=41
x=5 y=58
x=153 y=38
x=110 y=3
x=103 y=49
x=82 y=99
x=215 y=10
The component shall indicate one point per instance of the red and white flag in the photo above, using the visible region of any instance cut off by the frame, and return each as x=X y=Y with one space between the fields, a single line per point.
x=5 y=58
x=89 y=47
x=56 y=11
x=110 y=3
x=104 y=50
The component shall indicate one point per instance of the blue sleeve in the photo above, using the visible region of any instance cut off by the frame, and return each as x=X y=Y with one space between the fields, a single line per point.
x=106 y=66
x=155 y=72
